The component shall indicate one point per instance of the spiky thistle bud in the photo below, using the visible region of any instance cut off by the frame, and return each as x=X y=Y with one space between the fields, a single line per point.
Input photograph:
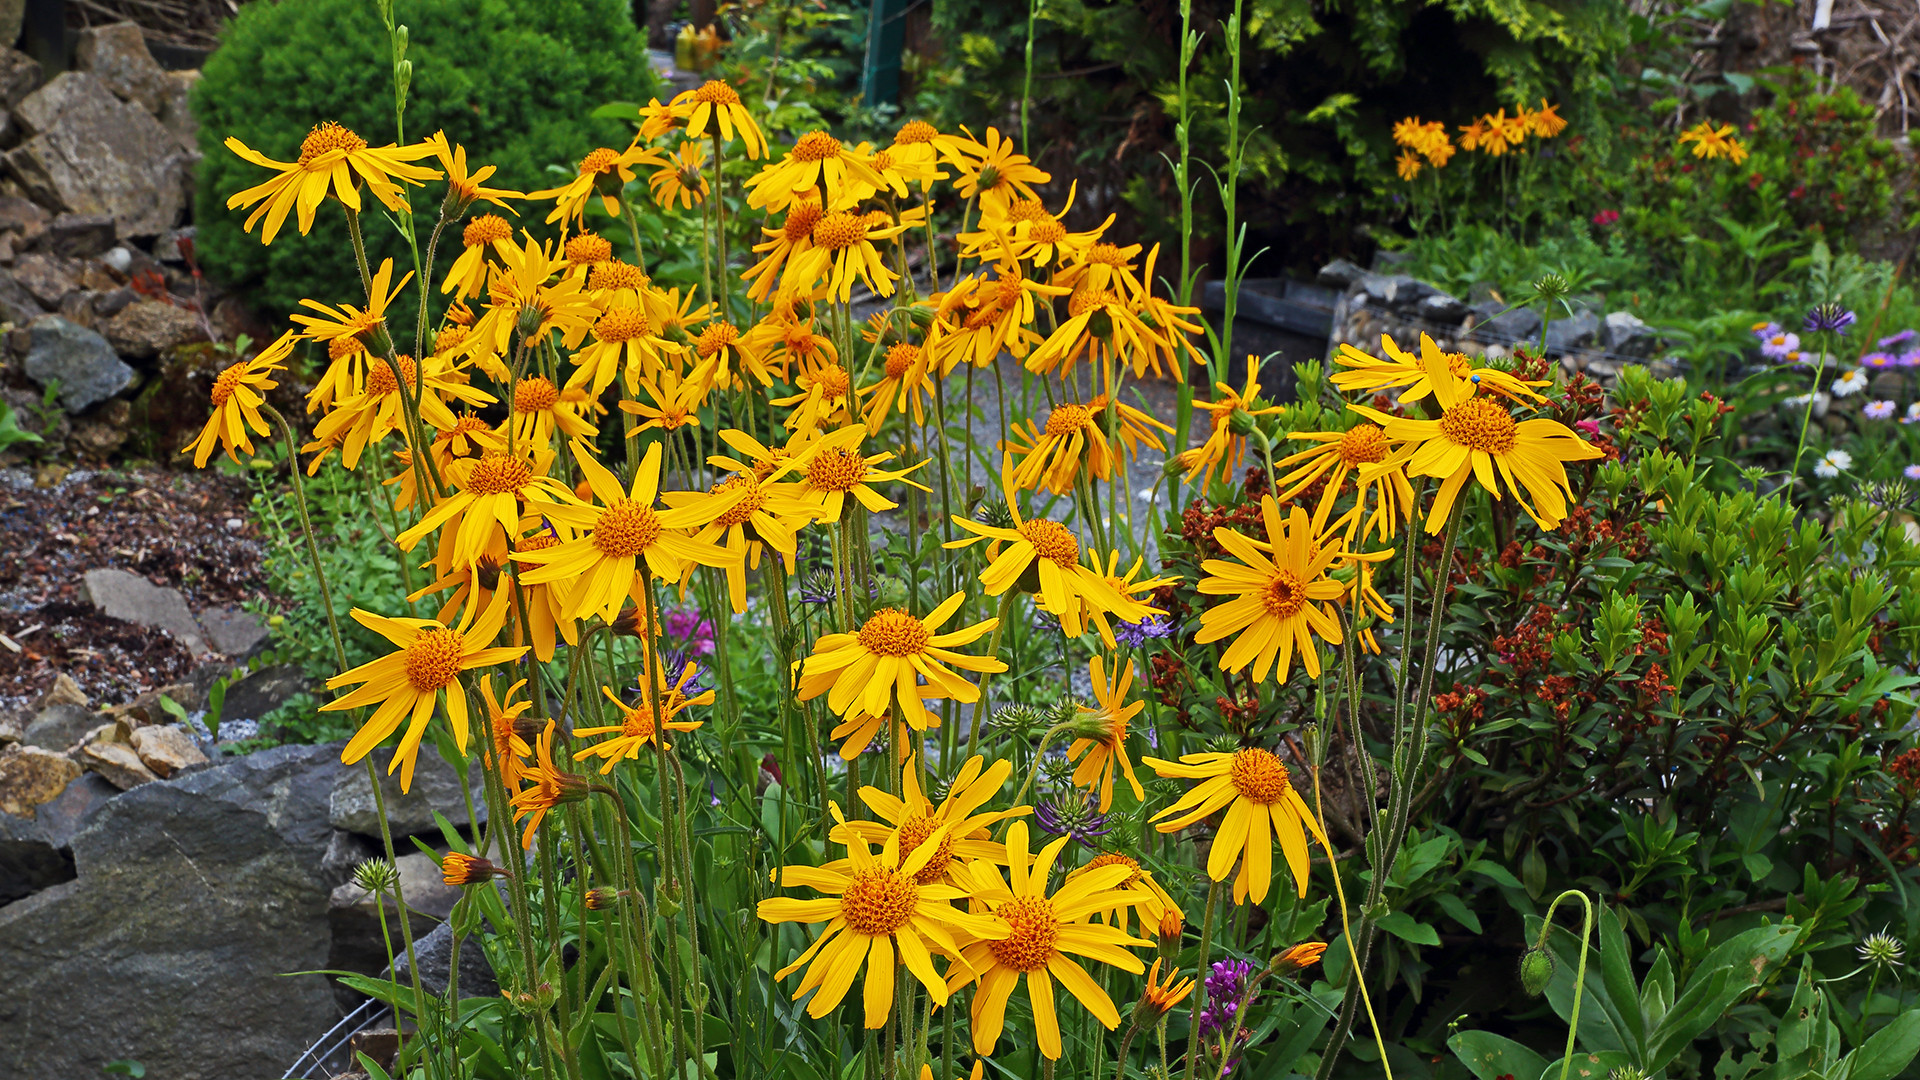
x=376 y=876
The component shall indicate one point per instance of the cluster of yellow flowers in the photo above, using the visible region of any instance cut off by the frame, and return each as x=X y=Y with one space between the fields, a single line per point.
x=536 y=540
x=1712 y=142
x=1492 y=134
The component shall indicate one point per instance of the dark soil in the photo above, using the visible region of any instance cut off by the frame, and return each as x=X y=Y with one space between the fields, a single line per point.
x=189 y=531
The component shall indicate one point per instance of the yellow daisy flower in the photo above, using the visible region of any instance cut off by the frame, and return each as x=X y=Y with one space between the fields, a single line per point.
x=1223 y=448
x=624 y=340
x=1051 y=457
x=719 y=103
x=237 y=395
x=833 y=468
x=842 y=252
x=1101 y=733
x=679 y=177
x=1360 y=451
x=641 y=724
x=1142 y=892
x=332 y=159
x=887 y=657
x=465 y=188
x=816 y=160
x=488 y=232
x=769 y=515
x=487 y=507
x=504 y=747
x=1261 y=803
x=1280 y=595
x=604 y=172
x=997 y=175
x=548 y=786
x=1369 y=374
x=352 y=321
x=538 y=412
x=914 y=818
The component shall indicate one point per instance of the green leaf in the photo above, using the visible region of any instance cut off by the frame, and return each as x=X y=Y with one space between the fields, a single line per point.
x=1489 y=1056
x=1723 y=978
x=123 y=1067
x=1888 y=1052
x=1407 y=928
x=1458 y=911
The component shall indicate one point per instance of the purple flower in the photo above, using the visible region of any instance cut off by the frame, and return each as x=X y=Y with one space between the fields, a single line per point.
x=1910 y=358
x=1076 y=818
x=1779 y=344
x=1766 y=330
x=1879 y=360
x=1911 y=472
x=1136 y=634
x=1827 y=317
x=1590 y=427
x=1221 y=1001
x=1900 y=338
x=1878 y=410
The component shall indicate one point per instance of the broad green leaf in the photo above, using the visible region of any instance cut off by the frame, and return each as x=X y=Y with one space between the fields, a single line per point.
x=1407 y=928
x=1489 y=1056
x=1887 y=1053
x=1723 y=978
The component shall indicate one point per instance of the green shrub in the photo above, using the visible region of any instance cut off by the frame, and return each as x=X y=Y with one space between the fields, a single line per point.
x=513 y=82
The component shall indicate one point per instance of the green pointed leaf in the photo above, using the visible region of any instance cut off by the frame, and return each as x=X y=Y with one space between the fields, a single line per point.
x=1489 y=1056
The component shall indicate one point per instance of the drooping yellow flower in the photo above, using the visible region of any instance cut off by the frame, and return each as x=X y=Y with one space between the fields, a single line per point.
x=886 y=658
x=679 y=178
x=238 y=393
x=351 y=320
x=817 y=160
x=466 y=188
x=1101 y=733
x=1360 y=451
x=1261 y=803
x=842 y=252
x=718 y=103
x=407 y=684
x=548 y=786
x=992 y=315
x=504 y=747
x=878 y=917
x=1279 y=595
x=640 y=724
x=468 y=276
x=905 y=378
x=524 y=298
x=670 y=404
x=624 y=537
x=603 y=172
x=914 y=818
x=1223 y=448
x=1359 y=371
x=1042 y=935
x=332 y=159
x=794 y=237
x=1052 y=456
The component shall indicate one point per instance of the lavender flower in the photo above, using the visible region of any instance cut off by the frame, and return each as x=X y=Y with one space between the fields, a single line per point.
x=1076 y=818
x=1900 y=338
x=817 y=588
x=1911 y=472
x=1913 y=414
x=1827 y=317
x=1135 y=634
x=1778 y=344
x=1765 y=330
x=1910 y=358
x=1879 y=360
x=1221 y=1003
x=1877 y=410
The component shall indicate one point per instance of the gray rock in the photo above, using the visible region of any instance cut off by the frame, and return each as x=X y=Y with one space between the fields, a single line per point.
x=17 y=305
x=64 y=691
x=145 y=329
x=79 y=236
x=1567 y=334
x=1339 y=274
x=1441 y=308
x=117 y=55
x=172 y=947
x=345 y=851
x=435 y=787
x=24 y=218
x=435 y=950
x=132 y=598
x=87 y=367
x=45 y=277
x=1399 y=293
x=1519 y=325
x=108 y=304
x=166 y=248
x=68 y=813
x=1625 y=334
x=263 y=691
x=19 y=73
x=289 y=785
x=59 y=726
x=89 y=152
x=176 y=112
x=30 y=860
x=233 y=631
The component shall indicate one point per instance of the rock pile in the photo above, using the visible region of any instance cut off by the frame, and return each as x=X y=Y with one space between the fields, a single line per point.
x=1592 y=340
x=96 y=287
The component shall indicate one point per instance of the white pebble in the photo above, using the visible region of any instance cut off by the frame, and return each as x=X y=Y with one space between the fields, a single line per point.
x=119 y=258
x=235 y=524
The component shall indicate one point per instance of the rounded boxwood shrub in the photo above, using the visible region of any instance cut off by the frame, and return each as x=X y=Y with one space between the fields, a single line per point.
x=514 y=82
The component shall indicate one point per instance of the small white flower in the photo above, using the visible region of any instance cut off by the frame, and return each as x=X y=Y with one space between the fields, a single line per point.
x=1913 y=414
x=1878 y=410
x=1833 y=463
x=1850 y=384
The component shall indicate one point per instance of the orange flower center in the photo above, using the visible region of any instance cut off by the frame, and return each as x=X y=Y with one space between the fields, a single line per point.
x=1479 y=424
x=1363 y=445
x=836 y=469
x=763 y=467
x=1026 y=210
x=716 y=92
x=588 y=248
x=497 y=474
x=1106 y=255
x=901 y=357
x=614 y=274
x=915 y=131
x=626 y=529
x=485 y=229
x=816 y=146
x=747 y=507
x=537 y=542
x=914 y=832
x=1285 y=595
x=833 y=381
x=1047 y=231
x=1052 y=540
x=1114 y=858
x=801 y=220
x=878 y=902
x=837 y=232
x=380 y=375
x=1031 y=945
x=1067 y=419
x=223 y=386
x=463 y=425
x=1259 y=776
x=434 y=659
x=1085 y=300
x=882 y=161
x=448 y=339
x=534 y=394
x=638 y=723
x=600 y=161
x=715 y=337
x=621 y=324
x=342 y=347
x=1007 y=289
x=326 y=138
x=1460 y=364
x=893 y=632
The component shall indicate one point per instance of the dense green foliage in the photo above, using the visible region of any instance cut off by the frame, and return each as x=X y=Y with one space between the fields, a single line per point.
x=513 y=82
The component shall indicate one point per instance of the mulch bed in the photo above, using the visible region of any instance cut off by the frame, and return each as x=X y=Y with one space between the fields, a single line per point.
x=189 y=531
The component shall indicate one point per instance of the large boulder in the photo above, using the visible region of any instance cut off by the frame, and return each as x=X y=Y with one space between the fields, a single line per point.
x=131 y=598
x=90 y=152
x=117 y=55
x=59 y=726
x=30 y=776
x=29 y=859
x=173 y=947
x=88 y=369
x=19 y=73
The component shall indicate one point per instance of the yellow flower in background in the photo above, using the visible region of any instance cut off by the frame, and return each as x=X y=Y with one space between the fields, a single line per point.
x=1075 y=435
x=641 y=724
x=825 y=399
x=1478 y=437
x=366 y=418
x=906 y=378
x=538 y=412
x=1475 y=136
x=1254 y=788
x=238 y=393
x=1512 y=129
x=623 y=538
x=914 y=818
x=1280 y=595
x=719 y=104
x=603 y=172
x=996 y=175
x=487 y=506
x=1359 y=371
x=1407 y=165
x=832 y=468
x=468 y=276
x=888 y=656
x=679 y=177
x=1137 y=592
x=671 y=404
x=1101 y=733
x=408 y=684
x=625 y=340
x=1042 y=936
x=1547 y=121
x=524 y=286
x=1142 y=894
x=332 y=159
x=756 y=515
x=1710 y=142
x=920 y=141
x=879 y=916
x=993 y=314
x=817 y=160
x=351 y=320
x=842 y=252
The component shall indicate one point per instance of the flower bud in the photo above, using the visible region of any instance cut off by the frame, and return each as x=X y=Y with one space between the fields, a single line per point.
x=1171 y=928
x=377 y=340
x=529 y=322
x=603 y=897
x=1536 y=967
x=458 y=869
x=1304 y=955
x=1240 y=423
x=376 y=876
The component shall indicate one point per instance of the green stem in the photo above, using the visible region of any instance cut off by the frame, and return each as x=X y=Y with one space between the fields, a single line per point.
x=993 y=650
